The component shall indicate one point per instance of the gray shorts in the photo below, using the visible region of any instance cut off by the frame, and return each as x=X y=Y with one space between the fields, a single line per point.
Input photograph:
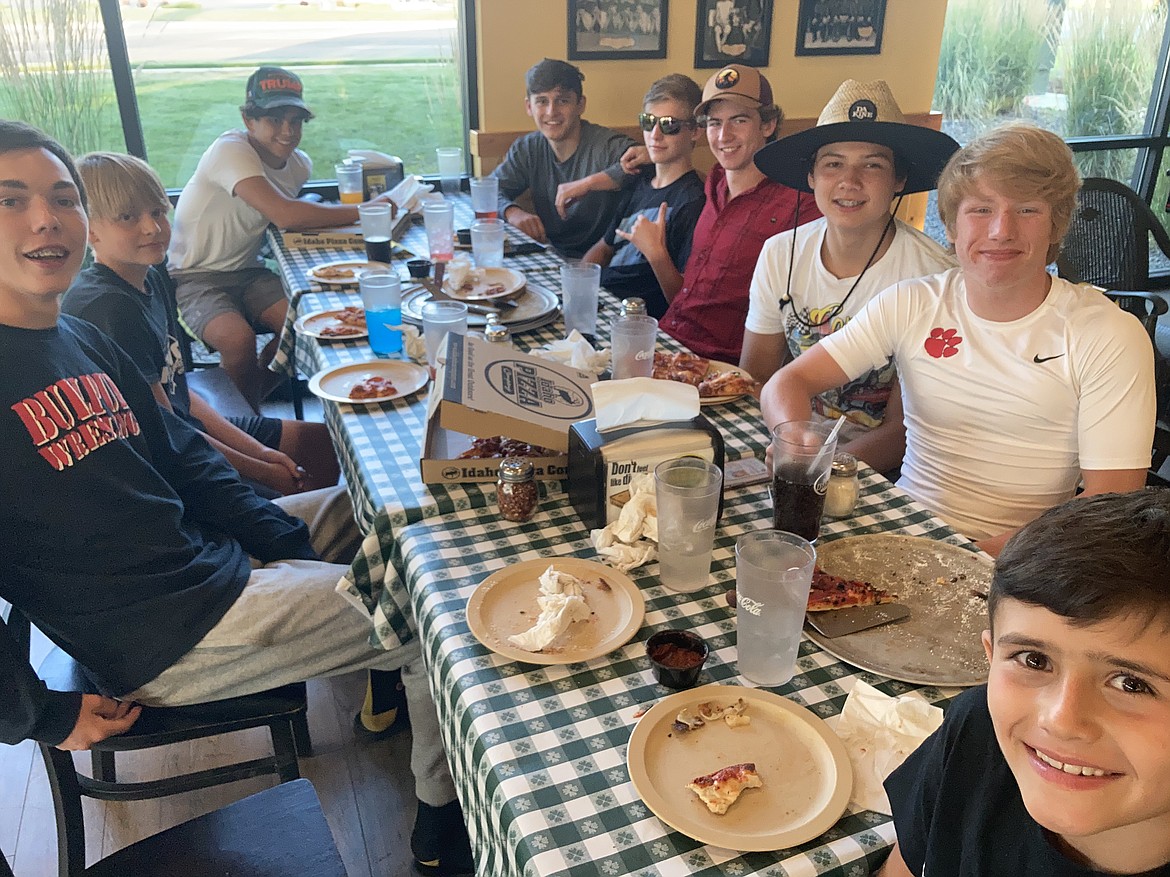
x=204 y=295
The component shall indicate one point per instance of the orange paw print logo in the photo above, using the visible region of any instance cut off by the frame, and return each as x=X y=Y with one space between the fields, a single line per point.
x=942 y=343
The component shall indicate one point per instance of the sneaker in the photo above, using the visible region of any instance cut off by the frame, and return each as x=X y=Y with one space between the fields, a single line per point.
x=440 y=843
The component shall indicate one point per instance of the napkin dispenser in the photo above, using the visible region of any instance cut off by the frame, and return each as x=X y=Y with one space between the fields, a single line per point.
x=602 y=464
x=380 y=172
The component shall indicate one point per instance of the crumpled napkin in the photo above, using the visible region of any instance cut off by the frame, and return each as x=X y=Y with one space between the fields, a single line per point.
x=413 y=343
x=576 y=352
x=631 y=540
x=458 y=270
x=407 y=195
x=879 y=732
x=620 y=403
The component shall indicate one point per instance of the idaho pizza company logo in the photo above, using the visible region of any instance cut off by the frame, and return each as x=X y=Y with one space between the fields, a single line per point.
x=943 y=343
x=535 y=387
x=727 y=77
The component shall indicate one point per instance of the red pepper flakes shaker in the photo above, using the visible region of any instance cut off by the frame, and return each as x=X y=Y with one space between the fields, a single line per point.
x=517 y=494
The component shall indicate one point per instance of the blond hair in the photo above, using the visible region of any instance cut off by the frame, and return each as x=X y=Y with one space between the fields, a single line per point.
x=118 y=183
x=1021 y=160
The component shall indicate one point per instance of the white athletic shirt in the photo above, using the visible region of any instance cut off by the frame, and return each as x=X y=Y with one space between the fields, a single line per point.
x=214 y=229
x=1002 y=417
x=816 y=291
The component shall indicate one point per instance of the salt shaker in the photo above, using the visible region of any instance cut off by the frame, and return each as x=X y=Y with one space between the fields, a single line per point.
x=497 y=332
x=633 y=307
x=516 y=492
x=843 y=491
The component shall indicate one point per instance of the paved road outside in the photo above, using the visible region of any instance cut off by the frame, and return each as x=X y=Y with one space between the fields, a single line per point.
x=347 y=39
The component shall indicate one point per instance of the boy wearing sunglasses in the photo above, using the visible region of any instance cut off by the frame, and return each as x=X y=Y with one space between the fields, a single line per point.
x=643 y=252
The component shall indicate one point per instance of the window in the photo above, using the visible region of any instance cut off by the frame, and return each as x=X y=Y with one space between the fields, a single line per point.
x=1093 y=71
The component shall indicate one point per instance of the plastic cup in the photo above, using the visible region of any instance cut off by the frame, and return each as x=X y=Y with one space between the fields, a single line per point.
x=382 y=298
x=439 y=319
x=580 y=282
x=801 y=465
x=376 y=226
x=349 y=183
x=485 y=197
x=773 y=571
x=450 y=168
x=439 y=219
x=632 y=339
x=687 y=492
x=487 y=243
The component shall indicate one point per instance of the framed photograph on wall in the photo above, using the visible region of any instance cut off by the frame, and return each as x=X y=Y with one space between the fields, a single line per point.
x=840 y=27
x=733 y=31
x=613 y=30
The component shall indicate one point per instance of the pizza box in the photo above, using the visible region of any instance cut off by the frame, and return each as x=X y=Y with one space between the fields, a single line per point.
x=485 y=389
x=342 y=236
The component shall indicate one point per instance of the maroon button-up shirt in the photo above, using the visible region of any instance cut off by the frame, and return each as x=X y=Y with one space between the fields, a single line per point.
x=709 y=311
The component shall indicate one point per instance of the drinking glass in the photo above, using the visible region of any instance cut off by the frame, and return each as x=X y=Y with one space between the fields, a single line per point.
x=485 y=197
x=376 y=225
x=382 y=298
x=773 y=571
x=439 y=218
x=450 y=168
x=687 y=492
x=801 y=463
x=580 y=282
x=440 y=318
x=349 y=183
x=632 y=339
x=487 y=243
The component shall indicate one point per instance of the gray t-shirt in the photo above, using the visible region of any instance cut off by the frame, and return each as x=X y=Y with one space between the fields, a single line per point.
x=531 y=165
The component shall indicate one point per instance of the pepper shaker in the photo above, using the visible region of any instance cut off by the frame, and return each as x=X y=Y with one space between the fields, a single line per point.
x=843 y=490
x=516 y=492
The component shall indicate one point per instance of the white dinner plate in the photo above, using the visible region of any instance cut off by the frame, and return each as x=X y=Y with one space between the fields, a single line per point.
x=335 y=383
x=314 y=324
x=534 y=307
x=348 y=271
x=807 y=778
x=480 y=280
x=505 y=604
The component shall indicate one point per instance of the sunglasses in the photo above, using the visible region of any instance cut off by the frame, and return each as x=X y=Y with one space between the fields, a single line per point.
x=668 y=125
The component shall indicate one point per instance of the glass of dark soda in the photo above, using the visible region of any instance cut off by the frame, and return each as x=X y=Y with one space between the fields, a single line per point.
x=801 y=463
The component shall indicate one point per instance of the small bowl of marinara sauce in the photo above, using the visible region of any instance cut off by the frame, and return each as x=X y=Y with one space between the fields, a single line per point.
x=677 y=657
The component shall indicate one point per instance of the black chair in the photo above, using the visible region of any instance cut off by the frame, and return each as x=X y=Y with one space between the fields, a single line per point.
x=1108 y=243
x=279 y=832
x=282 y=710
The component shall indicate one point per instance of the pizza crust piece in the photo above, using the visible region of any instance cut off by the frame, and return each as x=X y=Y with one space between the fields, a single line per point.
x=721 y=789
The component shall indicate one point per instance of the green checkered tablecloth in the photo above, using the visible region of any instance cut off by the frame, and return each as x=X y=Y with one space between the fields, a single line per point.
x=379 y=446
x=538 y=753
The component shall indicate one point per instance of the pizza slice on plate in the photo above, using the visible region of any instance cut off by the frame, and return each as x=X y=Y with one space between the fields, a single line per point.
x=721 y=789
x=685 y=368
x=729 y=383
x=834 y=592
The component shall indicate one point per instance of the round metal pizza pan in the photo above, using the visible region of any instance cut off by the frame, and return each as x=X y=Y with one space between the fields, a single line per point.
x=939 y=644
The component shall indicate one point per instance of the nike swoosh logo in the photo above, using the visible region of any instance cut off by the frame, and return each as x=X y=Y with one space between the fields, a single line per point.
x=1039 y=359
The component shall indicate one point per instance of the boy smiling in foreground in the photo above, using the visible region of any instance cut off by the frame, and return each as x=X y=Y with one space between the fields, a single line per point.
x=1078 y=700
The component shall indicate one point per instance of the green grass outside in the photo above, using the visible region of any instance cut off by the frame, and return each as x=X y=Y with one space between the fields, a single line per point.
x=292 y=12
x=402 y=109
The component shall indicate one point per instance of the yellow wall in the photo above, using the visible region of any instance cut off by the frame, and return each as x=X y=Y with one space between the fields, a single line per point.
x=515 y=34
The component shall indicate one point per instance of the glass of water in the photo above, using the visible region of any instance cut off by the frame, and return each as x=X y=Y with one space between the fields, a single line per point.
x=439 y=319
x=580 y=283
x=773 y=571
x=687 y=491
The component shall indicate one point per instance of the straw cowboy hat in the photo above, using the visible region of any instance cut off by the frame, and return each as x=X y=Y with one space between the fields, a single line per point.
x=865 y=112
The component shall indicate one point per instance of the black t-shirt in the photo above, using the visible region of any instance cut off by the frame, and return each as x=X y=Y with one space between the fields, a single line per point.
x=142 y=324
x=958 y=811
x=628 y=272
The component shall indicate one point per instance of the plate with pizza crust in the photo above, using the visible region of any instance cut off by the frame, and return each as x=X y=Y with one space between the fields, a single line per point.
x=343 y=272
x=336 y=383
x=939 y=644
x=505 y=604
x=339 y=324
x=718 y=368
x=807 y=778
x=486 y=284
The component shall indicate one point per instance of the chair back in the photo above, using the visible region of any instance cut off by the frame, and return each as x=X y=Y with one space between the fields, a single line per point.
x=1108 y=242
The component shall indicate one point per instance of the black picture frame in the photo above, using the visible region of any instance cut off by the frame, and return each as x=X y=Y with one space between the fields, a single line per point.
x=840 y=27
x=733 y=32
x=617 y=30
